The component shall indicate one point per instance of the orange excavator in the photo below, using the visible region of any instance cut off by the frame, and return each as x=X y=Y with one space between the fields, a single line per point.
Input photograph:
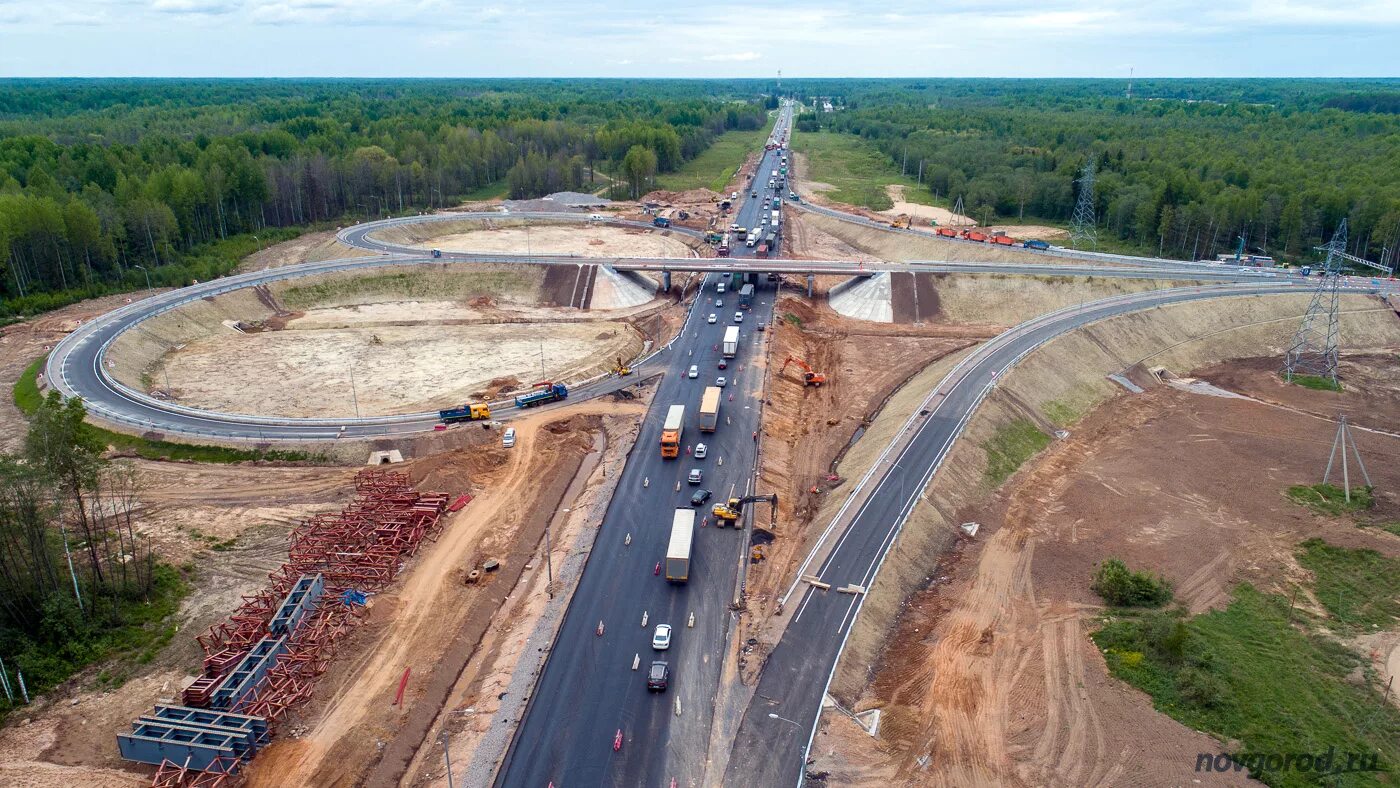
x=809 y=377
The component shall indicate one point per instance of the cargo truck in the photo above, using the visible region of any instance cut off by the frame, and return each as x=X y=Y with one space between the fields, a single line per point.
x=745 y=297
x=472 y=411
x=671 y=431
x=761 y=250
x=678 y=551
x=709 y=409
x=731 y=337
x=543 y=393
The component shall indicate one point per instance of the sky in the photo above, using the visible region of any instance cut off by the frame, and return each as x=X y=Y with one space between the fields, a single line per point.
x=720 y=38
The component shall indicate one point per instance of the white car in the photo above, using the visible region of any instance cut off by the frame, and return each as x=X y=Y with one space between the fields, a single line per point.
x=508 y=439
x=712 y=318
x=700 y=450
x=661 y=638
x=696 y=476
x=720 y=381
x=694 y=371
x=719 y=302
x=738 y=317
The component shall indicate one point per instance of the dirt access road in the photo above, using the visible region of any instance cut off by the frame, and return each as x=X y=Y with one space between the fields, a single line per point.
x=990 y=677
x=341 y=734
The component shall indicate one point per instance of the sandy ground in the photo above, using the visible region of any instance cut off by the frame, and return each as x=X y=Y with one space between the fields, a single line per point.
x=306 y=248
x=919 y=211
x=990 y=676
x=394 y=368
x=343 y=730
x=575 y=239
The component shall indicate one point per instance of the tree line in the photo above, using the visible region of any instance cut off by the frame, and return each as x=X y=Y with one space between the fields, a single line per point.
x=1188 y=177
x=74 y=571
x=104 y=182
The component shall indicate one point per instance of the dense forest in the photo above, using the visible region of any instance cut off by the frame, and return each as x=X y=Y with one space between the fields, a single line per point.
x=103 y=182
x=1185 y=166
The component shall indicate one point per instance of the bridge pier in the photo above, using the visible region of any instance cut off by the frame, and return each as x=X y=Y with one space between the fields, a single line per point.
x=811 y=282
x=665 y=281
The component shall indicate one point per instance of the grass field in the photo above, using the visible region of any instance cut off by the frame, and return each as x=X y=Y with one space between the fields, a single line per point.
x=716 y=166
x=1264 y=676
x=1011 y=446
x=857 y=170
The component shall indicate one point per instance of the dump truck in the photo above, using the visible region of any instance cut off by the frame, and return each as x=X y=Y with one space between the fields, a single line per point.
x=671 y=431
x=731 y=340
x=761 y=250
x=1035 y=243
x=709 y=409
x=723 y=250
x=947 y=232
x=746 y=297
x=729 y=512
x=678 y=551
x=544 y=392
x=471 y=411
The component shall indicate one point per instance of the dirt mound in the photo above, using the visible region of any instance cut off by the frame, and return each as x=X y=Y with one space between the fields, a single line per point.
x=462 y=470
x=688 y=196
x=497 y=385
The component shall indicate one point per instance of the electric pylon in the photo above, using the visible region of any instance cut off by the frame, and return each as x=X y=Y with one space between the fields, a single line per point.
x=1084 y=227
x=1314 y=348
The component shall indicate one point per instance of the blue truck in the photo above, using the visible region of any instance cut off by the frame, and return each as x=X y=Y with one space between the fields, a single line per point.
x=472 y=411
x=661 y=221
x=544 y=393
x=1035 y=243
x=746 y=297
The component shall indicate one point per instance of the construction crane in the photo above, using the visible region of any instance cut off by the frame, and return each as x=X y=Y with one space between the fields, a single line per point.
x=809 y=376
x=735 y=507
x=622 y=370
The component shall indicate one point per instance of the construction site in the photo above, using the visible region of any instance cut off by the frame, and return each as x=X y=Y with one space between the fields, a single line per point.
x=926 y=469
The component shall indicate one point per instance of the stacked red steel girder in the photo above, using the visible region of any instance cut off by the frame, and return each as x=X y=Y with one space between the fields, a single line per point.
x=360 y=548
x=221 y=774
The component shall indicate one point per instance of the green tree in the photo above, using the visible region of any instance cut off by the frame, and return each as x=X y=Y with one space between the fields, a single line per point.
x=638 y=167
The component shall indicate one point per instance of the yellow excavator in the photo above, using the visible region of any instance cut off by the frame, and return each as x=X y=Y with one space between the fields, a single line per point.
x=730 y=512
x=622 y=370
x=901 y=222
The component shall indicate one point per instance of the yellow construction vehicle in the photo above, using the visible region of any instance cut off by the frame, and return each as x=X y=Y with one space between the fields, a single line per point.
x=730 y=512
x=621 y=370
x=901 y=222
x=809 y=377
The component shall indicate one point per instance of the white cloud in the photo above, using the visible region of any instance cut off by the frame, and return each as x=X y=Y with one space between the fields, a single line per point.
x=732 y=57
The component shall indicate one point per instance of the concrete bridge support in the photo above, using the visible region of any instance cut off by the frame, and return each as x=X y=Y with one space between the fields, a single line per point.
x=665 y=281
x=811 y=283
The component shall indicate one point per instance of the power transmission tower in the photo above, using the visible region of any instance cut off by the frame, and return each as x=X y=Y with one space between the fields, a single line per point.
x=958 y=216
x=1314 y=348
x=1084 y=227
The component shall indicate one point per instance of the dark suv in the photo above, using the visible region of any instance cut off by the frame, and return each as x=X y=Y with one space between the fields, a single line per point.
x=699 y=497
x=658 y=676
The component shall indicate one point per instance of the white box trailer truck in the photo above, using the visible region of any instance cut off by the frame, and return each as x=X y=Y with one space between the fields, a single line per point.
x=678 y=551
x=731 y=342
x=709 y=409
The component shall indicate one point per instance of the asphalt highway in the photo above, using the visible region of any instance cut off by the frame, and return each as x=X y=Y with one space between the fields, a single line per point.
x=588 y=691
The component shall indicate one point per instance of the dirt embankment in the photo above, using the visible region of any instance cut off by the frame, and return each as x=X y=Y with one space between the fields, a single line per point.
x=807 y=428
x=431 y=622
x=306 y=248
x=1007 y=688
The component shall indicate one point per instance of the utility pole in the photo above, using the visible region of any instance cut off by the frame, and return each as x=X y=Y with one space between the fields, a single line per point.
x=446 y=757
x=354 y=397
x=147 y=272
x=1339 y=444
